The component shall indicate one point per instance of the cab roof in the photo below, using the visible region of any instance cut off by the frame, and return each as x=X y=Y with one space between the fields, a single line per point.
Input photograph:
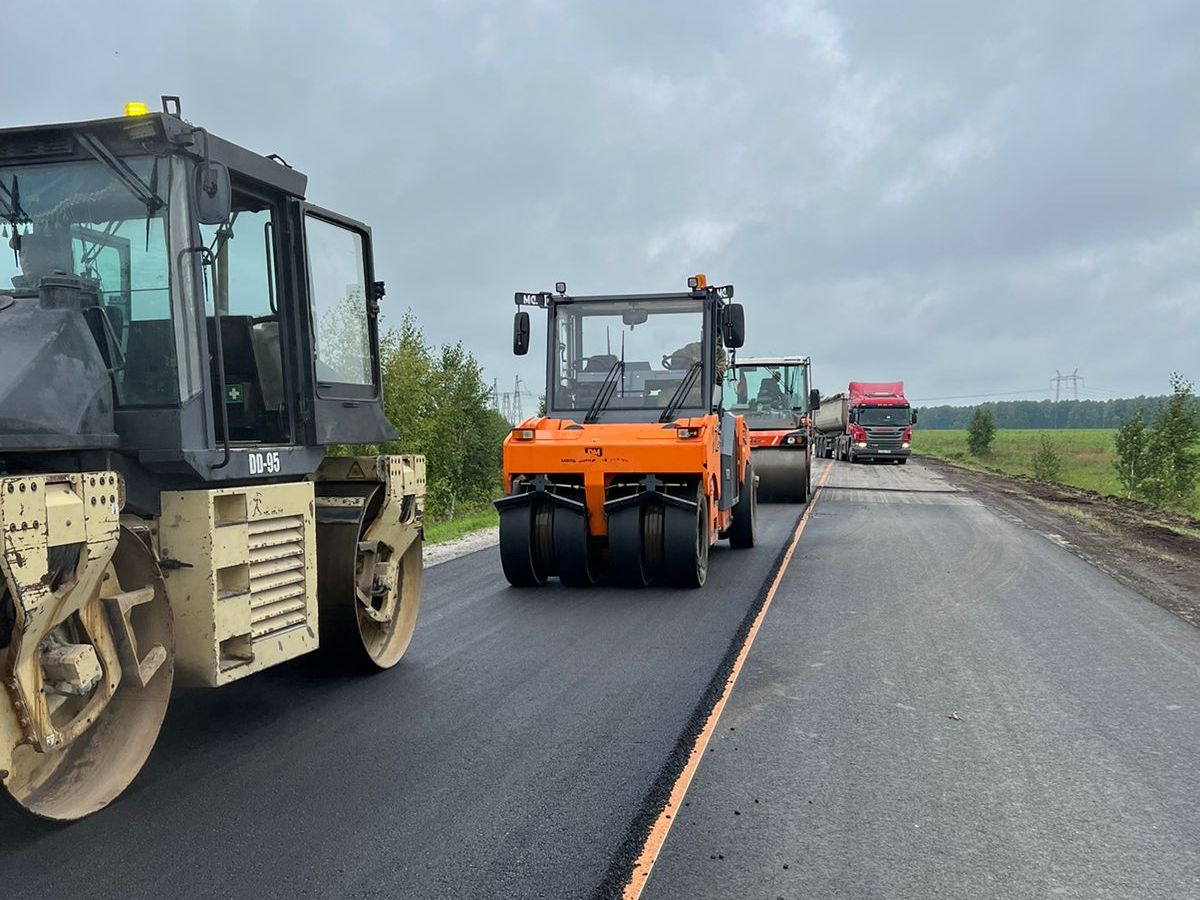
x=772 y=361
x=125 y=135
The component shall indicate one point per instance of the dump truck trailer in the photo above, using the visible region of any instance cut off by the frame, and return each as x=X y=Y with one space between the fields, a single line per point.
x=636 y=468
x=773 y=395
x=870 y=421
x=182 y=335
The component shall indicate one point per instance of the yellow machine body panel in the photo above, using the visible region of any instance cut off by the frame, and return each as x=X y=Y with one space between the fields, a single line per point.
x=241 y=575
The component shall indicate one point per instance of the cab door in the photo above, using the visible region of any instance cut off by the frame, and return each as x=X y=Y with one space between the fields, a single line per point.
x=343 y=304
x=245 y=316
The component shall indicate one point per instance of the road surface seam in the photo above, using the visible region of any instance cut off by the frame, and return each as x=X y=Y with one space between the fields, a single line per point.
x=634 y=859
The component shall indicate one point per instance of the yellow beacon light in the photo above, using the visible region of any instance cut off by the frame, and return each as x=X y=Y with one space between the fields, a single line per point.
x=698 y=282
x=136 y=108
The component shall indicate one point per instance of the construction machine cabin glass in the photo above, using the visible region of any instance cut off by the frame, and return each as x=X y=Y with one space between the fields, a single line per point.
x=338 y=282
x=81 y=220
x=769 y=396
x=629 y=355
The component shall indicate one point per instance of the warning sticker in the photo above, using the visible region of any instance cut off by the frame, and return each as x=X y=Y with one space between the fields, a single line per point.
x=356 y=472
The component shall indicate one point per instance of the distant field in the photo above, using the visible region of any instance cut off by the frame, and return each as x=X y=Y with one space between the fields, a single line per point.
x=1087 y=453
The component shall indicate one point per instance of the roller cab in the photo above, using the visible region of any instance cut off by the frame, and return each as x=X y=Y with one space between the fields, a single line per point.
x=773 y=395
x=637 y=468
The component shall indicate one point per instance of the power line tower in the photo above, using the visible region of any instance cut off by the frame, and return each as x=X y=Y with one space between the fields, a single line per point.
x=518 y=412
x=1060 y=379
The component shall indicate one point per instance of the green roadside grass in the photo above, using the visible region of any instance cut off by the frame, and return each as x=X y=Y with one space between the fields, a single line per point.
x=449 y=529
x=1086 y=453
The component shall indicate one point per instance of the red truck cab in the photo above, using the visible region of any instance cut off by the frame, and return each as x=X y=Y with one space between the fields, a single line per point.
x=871 y=421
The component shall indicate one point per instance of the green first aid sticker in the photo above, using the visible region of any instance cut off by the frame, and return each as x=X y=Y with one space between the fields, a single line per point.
x=234 y=393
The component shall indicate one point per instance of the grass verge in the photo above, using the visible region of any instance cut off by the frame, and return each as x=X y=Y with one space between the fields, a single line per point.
x=1086 y=453
x=449 y=529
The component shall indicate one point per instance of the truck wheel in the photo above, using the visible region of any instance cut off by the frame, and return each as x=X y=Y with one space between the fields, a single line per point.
x=745 y=513
x=902 y=461
x=685 y=543
x=527 y=544
x=627 y=563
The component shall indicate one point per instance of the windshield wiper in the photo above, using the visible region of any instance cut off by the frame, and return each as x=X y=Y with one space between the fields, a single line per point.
x=14 y=216
x=685 y=385
x=145 y=193
x=608 y=387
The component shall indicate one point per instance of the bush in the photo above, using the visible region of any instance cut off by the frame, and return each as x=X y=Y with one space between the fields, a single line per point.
x=980 y=431
x=1161 y=463
x=1047 y=463
x=438 y=402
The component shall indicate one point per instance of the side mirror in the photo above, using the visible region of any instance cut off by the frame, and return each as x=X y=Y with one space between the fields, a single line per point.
x=814 y=399
x=521 y=333
x=733 y=326
x=914 y=417
x=211 y=193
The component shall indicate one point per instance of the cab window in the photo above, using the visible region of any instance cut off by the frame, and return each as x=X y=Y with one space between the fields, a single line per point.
x=338 y=285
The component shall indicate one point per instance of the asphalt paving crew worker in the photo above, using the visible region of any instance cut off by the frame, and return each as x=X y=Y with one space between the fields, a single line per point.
x=770 y=394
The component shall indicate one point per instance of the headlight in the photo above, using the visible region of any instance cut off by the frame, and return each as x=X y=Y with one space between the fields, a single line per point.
x=904 y=444
x=861 y=444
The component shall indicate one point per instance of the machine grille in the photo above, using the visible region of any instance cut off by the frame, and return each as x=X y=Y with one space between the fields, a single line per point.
x=277 y=583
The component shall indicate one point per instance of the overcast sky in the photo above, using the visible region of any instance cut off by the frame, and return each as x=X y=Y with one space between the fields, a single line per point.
x=967 y=196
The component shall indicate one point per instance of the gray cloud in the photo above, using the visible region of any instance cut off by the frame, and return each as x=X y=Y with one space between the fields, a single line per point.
x=967 y=196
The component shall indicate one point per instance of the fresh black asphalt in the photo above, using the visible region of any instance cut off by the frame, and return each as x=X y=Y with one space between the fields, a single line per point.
x=508 y=756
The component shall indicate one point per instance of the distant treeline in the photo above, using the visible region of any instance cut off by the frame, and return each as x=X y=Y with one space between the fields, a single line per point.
x=1043 y=413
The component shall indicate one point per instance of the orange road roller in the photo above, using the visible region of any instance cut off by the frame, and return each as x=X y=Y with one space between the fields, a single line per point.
x=637 y=467
x=773 y=395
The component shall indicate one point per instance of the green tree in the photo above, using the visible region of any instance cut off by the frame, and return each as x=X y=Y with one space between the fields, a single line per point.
x=437 y=400
x=1173 y=446
x=1047 y=463
x=1161 y=463
x=1132 y=460
x=980 y=431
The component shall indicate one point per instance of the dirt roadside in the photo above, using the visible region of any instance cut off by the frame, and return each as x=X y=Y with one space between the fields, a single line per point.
x=1144 y=548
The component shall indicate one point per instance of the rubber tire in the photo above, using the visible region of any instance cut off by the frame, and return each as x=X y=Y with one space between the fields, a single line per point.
x=572 y=550
x=686 y=543
x=519 y=557
x=626 y=560
x=902 y=461
x=742 y=532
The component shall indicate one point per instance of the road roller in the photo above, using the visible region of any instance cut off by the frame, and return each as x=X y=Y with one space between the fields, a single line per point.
x=772 y=394
x=183 y=336
x=637 y=467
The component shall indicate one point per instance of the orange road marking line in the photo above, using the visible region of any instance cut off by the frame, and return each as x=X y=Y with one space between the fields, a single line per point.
x=662 y=825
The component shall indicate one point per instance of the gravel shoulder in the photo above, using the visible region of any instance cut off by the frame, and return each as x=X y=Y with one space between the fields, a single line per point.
x=435 y=554
x=1151 y=551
